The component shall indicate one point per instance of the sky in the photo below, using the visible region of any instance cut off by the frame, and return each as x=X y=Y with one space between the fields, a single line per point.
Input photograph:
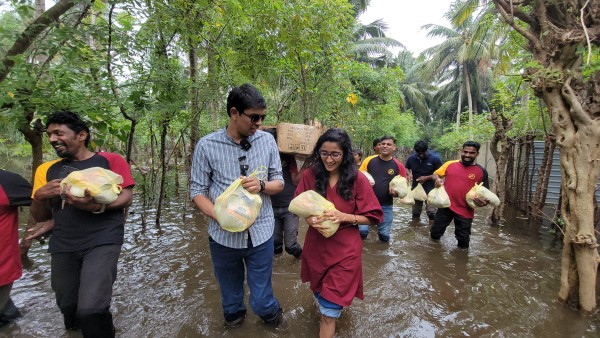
x=405 y=18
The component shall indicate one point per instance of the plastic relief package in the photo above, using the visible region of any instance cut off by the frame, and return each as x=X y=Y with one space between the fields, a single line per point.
x=310 y=203
x=419 y=193
x=481 y=192
x=408 y=199
x=102 y=184
x=369 y=177
x=438 y=197
x=236 y=209
x=399 y=185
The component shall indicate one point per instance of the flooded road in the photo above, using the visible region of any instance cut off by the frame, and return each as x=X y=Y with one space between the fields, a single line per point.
x=506 y=285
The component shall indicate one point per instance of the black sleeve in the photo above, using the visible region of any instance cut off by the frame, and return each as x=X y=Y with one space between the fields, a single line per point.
x=17 y=189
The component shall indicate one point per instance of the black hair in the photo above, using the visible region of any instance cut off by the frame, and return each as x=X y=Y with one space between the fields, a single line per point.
x=245 y=97
x=347 y=169
x=375 y=141
x=71 y=120
x=387 y=137
x=358 y=151
x=472 y=144
x=421 y=146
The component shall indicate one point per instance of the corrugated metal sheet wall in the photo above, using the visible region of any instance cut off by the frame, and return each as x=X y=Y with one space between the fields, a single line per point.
x=554 y=182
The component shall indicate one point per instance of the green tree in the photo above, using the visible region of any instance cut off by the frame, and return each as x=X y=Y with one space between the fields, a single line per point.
x=562 y=37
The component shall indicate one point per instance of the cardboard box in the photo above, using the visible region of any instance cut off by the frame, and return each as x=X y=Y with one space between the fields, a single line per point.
x=297 y=138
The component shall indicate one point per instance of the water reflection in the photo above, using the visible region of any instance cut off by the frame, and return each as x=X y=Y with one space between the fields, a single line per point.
x=505 y=285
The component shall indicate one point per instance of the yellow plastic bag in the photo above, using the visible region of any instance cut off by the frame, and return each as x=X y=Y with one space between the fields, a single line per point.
x=236 y=209
x=102 y=184
x=369 y=177
x=408 y=199
x=438 y=197
x=310 y=203
x=483 y=193
x=419 y=193
x=399 y=185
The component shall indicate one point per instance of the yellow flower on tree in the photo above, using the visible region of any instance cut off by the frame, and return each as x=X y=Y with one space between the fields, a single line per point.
x=352 y=99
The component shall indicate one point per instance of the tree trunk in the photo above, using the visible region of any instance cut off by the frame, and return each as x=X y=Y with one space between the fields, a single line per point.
x=541 y=188
x=458 y=106
x=115 y=90
x=469 y=100
x=213 y=89
x=195 y=104
x=555 y=32
x=164 y=127
x=499 y=148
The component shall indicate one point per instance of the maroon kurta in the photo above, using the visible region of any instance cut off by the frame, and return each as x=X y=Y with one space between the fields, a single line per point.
x=333 y=265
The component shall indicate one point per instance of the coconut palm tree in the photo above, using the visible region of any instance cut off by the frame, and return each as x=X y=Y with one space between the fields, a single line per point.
x=370 y=44
x=464 y=57
x=416 y=93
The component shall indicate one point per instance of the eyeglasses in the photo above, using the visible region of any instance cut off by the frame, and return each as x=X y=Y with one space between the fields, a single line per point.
x=256 y=117
x=334 y=155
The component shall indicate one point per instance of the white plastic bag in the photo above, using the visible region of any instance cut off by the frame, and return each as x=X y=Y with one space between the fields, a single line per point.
x=399 y=185
x=236 y=209
x=408 y=199
x=369 y=177
x=438 y=197
x=481 y=192
x=310 y=203
x=102 y=184
x=419 y=193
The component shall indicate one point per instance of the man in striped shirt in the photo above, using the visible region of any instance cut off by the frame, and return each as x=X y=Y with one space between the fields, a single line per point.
x=219 y=159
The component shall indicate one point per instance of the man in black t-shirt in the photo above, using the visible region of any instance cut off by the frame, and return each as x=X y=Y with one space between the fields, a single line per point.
x=87 y=235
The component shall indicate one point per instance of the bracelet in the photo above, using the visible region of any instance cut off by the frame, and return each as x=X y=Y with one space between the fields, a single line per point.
x=101 y=210
x=355 y=221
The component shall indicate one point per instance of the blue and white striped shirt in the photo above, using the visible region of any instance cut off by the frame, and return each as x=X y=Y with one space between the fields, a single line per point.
x=215 y=166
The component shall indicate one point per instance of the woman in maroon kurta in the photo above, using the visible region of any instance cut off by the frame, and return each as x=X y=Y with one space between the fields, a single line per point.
x=333 y=265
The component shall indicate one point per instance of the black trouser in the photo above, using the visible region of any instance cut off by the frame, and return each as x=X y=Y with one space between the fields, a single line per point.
x=462 y=226
x=286 y=232
x=82 y=282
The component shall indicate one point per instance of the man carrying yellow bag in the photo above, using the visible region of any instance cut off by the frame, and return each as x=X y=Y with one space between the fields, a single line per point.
x=459 y=177
x=219 y=159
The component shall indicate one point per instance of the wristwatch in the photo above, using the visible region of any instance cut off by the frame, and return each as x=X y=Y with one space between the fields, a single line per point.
x=262 y=185
x=355 y=221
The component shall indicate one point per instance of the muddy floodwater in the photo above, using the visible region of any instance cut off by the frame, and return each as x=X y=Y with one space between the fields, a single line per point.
x=506 y=285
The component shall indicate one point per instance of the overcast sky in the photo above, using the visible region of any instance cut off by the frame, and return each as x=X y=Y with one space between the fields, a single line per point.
x=405 y=18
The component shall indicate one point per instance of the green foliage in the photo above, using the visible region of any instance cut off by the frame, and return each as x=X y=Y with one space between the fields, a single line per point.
x=452 y=139
x=588 y=70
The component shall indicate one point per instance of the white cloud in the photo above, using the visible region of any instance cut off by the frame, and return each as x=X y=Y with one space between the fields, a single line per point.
x=405 y=18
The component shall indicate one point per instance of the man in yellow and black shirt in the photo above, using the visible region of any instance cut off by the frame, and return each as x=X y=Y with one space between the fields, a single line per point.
x=87 y=236
x=460 y=176
x=383 y=168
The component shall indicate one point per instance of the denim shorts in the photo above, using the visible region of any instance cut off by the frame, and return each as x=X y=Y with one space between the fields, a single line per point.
x=328 y=308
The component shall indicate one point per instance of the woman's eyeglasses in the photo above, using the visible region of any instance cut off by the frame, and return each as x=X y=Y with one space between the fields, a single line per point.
x=256 y=117
x=334 y=155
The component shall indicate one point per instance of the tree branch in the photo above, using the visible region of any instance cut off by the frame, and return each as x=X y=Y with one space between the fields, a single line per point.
x=26 y=38
x=577 y=112
x=508 y=18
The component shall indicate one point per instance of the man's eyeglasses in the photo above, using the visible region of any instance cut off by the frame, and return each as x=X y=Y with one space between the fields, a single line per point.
x=334 y=155
x=256 y=117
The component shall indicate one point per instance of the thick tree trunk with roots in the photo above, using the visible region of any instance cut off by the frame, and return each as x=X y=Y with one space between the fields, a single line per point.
x=555 y=30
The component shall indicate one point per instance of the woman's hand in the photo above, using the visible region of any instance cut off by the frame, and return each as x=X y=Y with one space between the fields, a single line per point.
x=315 y=222
x=336 y=216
